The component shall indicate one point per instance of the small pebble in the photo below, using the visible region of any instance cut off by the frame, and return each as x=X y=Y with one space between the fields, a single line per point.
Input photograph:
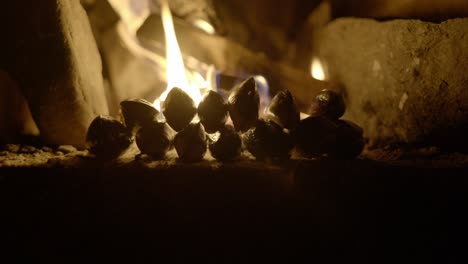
x=66 y=149
x=28 y=149
x=12 y=148
x=47 y=149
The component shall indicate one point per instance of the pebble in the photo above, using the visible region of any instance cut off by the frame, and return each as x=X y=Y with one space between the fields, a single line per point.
x=66 y=149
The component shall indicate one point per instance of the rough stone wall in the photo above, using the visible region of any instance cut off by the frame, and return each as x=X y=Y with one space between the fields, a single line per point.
x=52 y=54
x=406 y=80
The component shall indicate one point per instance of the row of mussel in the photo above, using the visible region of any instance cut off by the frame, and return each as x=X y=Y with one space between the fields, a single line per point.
x=272 y=138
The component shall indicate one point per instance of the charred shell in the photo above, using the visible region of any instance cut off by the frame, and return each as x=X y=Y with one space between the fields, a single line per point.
x=227 y=144
x=212 y=112
x=316 y=136
x=328 y=103
x=178 y=109
x=155 y=139
x=108 y=137
x=138 y=113
x=190 y=143
x=267 y=141
x=243 y=104
x=350 y=140
x=283 y=110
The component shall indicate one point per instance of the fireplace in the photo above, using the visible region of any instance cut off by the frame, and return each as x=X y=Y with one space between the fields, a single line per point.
x=349 y=141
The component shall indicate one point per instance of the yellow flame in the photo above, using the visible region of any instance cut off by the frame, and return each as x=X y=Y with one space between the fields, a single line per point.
x=316 y=70
x=204 y=25
x=176 y=75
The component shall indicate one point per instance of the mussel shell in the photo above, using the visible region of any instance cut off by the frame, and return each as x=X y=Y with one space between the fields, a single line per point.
x=283 y=110
x=316 y=136
x=178 y=109
x=227 y=146
x=190 y=143
x=267 y=141
x=350 y=140
x=212 y=112
x=107 y=137
x=243 y=104
x=328 y=103
x=138 y=113
x=155 y=139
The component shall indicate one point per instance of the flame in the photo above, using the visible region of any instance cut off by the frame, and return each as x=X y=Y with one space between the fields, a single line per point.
x=176 y=74
x=204 y=25
x=317 y=70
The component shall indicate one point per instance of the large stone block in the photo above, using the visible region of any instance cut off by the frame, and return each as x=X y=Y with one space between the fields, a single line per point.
x=406 y=80
x=52 y=54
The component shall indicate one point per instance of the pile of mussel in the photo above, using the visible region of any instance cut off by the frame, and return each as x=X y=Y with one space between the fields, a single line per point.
x=271 y=138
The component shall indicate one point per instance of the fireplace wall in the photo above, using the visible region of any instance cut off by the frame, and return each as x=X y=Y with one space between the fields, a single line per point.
x=56 y=64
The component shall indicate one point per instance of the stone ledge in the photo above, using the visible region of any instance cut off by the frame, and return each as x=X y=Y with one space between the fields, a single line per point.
x=406 y=79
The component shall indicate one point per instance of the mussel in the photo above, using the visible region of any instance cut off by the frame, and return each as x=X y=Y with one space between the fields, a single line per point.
x=178 y=109
x=244 y=103
x=350 y=140
x=328 y=103
x=266 y=140
x=155 y=139
x=316 y=136
x=226 y=144
x=212 y=112
x=138 y=113
x=190 y=143
x=283 y=110
x=107 y=137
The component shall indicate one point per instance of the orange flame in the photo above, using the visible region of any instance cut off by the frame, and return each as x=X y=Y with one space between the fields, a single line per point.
x=176 y=74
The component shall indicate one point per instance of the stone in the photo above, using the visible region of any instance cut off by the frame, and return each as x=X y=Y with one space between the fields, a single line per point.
x=406 y=80
x=52 y=55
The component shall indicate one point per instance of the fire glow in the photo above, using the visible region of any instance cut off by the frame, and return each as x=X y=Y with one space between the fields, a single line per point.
x=176 y=73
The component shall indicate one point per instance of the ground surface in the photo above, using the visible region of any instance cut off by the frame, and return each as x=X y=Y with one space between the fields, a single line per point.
x=60 y=204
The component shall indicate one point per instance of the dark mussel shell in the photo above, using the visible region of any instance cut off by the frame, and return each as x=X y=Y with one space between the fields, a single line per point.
x=138 y=113
x=178 y=109
x=190 y=143
x=267 y=141
x=212 y=112
x=155 y=139
x=283 y=110
x=328 y=103
x=316 y=136
x=244 y=103
x=107 y=137
x=227 y=146
x=350 y=140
